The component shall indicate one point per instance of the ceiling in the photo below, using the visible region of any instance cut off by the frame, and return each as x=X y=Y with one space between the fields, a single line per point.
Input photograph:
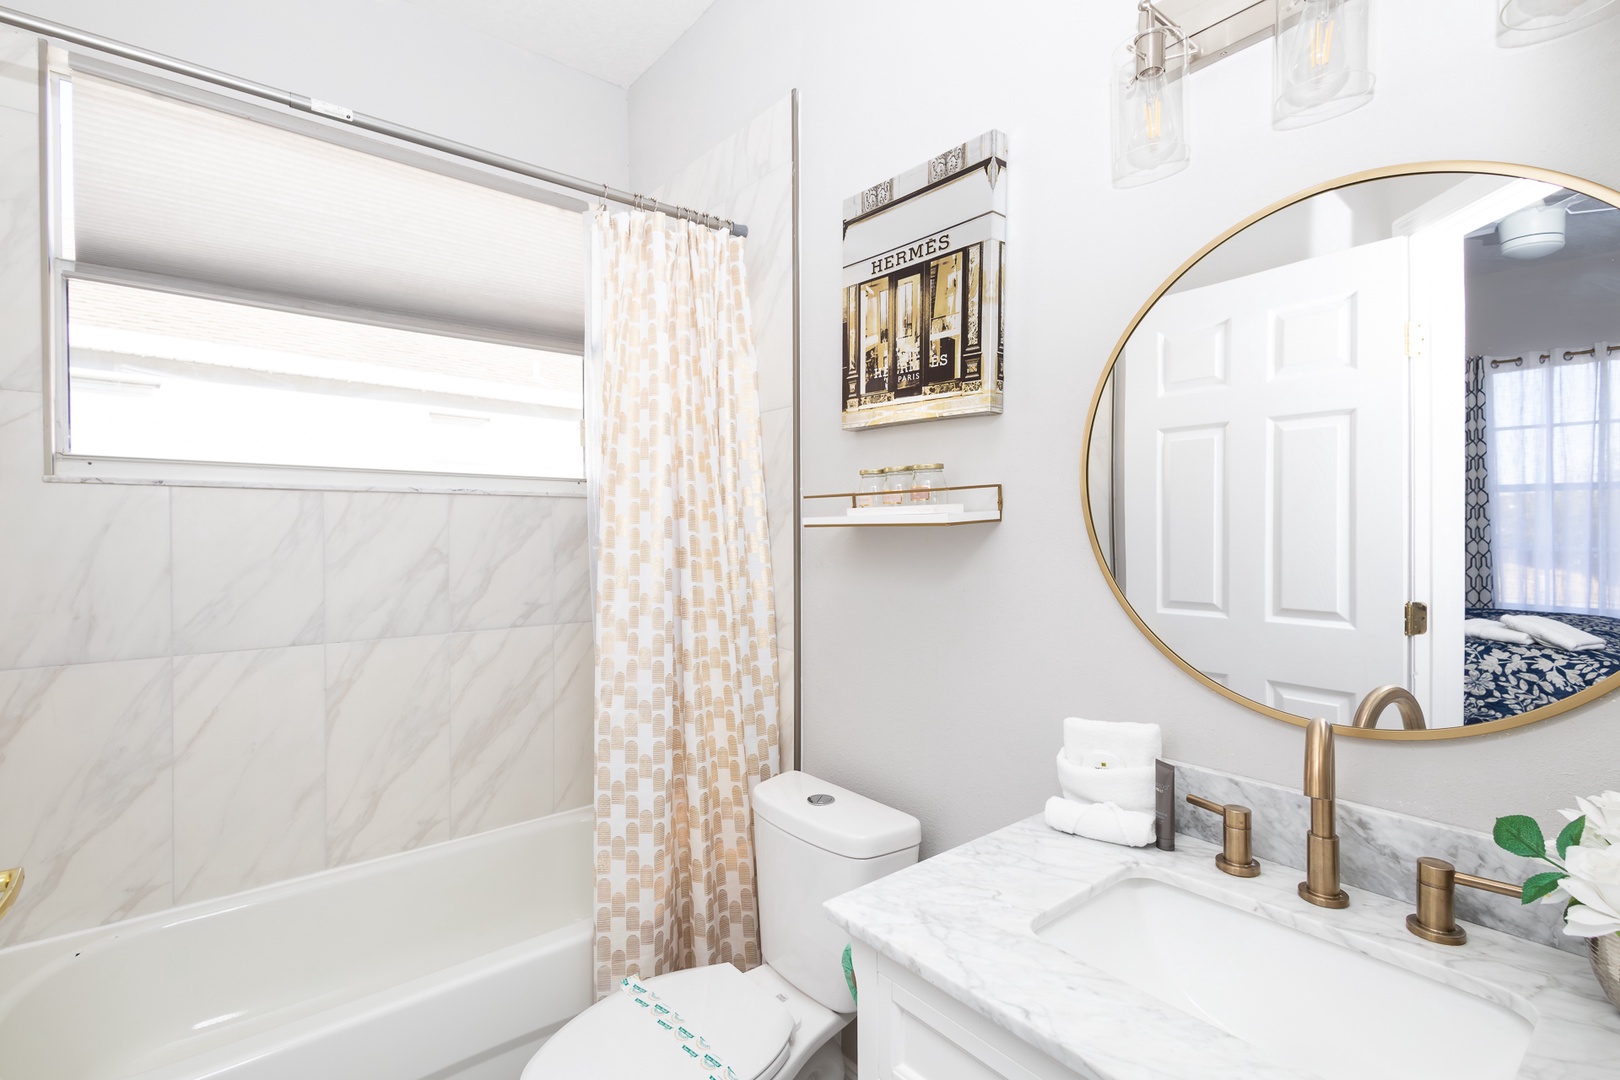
x=1592 y=231
x=615 y=40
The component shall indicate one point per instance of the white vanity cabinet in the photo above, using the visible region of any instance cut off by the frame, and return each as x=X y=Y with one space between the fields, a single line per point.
x=910 y=1030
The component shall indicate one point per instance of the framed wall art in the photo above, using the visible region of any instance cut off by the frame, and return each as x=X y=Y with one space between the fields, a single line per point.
x=924 y=282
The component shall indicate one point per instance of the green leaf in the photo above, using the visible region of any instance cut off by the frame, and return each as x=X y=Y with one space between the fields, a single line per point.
x=1520 y=835
x=1571 y=836
x=1540 y=885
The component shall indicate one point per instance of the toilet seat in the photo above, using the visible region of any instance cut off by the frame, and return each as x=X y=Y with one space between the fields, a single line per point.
x=748 y=1028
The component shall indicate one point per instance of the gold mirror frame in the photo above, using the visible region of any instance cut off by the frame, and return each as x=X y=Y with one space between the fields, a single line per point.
x=1493 y=168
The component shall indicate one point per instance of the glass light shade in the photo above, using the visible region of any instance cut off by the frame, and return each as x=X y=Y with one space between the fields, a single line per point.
x=1150 y=126
x=1525 y=22
x=1322 y=67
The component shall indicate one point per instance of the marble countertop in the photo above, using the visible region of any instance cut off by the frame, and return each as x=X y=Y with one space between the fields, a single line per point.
x=964 y=922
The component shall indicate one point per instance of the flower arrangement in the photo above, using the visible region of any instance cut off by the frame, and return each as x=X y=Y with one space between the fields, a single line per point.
x=1586 y=874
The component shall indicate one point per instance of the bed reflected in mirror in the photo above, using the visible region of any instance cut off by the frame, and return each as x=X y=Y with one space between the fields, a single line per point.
x=1373 y=438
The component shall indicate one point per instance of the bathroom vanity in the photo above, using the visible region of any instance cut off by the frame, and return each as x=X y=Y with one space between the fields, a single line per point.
x=1033 y=954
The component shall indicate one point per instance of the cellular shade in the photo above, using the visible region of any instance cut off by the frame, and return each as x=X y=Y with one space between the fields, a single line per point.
x=169 y=187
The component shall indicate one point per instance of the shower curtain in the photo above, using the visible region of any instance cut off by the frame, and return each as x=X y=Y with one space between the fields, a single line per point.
x=686 y=662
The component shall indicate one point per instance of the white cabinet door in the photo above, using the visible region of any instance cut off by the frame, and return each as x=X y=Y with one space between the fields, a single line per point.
x=910 y=1030
x=1264 y=433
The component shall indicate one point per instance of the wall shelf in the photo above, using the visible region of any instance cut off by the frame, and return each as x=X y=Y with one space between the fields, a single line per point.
x=979 y=504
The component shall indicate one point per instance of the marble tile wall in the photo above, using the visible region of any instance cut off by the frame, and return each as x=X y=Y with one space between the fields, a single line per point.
x=1378 y=850
x=748 y=177
x=205 y=690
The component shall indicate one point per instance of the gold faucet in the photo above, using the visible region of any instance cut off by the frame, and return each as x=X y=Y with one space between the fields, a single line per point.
x=1436 y=916
x=1321 y=884
x=1382 y=698
x=10 y=881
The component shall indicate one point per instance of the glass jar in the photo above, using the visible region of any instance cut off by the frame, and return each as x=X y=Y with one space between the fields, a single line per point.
x=926 y=480
x=896 y=480
x=871 y=484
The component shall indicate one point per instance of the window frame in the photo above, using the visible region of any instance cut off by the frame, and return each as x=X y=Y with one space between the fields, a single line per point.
x=62 y=465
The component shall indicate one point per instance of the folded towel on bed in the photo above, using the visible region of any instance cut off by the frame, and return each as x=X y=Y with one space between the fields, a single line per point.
x=1130 y=787
x=1552 y=632
x=1491 y=630
x=1100 y=821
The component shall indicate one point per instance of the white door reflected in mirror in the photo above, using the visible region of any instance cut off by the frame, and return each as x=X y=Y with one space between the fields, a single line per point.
x=1395 y=391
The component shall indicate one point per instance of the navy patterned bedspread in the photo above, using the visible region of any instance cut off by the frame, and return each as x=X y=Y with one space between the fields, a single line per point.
x=1502 y=680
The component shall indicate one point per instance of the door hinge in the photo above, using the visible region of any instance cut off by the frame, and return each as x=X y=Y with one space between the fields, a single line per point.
x=1417 y=340
x=1417 y=618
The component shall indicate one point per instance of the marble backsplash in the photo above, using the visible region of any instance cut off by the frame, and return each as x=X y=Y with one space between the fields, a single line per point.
x=1378 y=850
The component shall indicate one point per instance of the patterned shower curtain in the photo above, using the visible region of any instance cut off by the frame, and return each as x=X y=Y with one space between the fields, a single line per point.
x=686 y=662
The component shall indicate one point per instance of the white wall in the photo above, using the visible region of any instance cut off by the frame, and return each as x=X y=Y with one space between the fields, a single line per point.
x=1538 y=306
x=938 y=662
x=1330 y=222
x=203 y=690
x=748 y=177
x=387 y=58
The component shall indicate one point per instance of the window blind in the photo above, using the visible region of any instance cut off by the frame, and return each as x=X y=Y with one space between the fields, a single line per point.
x=168 y=187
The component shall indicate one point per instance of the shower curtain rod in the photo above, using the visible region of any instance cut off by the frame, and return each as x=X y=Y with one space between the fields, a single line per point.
x=300 y=103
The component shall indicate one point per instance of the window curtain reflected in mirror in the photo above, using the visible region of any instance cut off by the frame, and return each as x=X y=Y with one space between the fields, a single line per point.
x=686 y=657
x=1553 y=468
x=1479 y=589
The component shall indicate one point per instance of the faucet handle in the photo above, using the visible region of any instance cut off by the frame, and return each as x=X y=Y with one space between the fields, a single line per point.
x=1237 y=851
x=10 y=881
x=1436 y=916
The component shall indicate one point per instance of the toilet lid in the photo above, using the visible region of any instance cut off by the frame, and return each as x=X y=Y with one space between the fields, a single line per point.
x=748 y=1029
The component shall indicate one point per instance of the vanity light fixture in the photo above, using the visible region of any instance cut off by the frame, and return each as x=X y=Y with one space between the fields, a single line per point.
x=1525 y=22
x=1150 y=116
x=1322 y=67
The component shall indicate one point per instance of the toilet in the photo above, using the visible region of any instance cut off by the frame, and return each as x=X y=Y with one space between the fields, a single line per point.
x=812 y=841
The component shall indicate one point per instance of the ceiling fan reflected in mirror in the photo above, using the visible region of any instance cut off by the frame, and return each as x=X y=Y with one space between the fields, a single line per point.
x=1541 y=229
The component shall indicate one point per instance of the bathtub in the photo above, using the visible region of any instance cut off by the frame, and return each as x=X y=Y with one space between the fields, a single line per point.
x=455 y=961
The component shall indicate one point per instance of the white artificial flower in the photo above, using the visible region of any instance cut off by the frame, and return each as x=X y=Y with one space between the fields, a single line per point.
x=1602 y=818
x=1594 y=880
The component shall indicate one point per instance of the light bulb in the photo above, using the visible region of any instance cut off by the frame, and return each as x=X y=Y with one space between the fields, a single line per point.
x=1316 y=59
x=1322 y=64
x=1154 y=135
x=1150 y=122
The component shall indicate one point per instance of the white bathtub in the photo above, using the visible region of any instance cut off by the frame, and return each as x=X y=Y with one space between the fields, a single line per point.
x=457 y=960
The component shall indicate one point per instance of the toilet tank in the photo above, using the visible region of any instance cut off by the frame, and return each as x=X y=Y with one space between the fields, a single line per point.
x=813 y=841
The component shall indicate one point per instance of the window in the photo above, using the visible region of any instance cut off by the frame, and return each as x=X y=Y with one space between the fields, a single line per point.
x=238 y=291
x=1553 y=474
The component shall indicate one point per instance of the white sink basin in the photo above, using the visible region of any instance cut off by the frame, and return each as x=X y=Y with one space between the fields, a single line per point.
x=1306 y=1003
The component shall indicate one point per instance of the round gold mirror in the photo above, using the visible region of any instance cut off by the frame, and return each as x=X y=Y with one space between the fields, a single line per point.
x=1370 y=437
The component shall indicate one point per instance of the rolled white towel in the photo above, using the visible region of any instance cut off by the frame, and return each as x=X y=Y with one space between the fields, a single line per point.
x=1129 y=787
x=1130 y=744
x=1100 y=821
x=1491 y=630
x=1552 y=632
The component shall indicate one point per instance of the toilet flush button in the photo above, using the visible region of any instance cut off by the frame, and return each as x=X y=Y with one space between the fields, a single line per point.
x=821 y=799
